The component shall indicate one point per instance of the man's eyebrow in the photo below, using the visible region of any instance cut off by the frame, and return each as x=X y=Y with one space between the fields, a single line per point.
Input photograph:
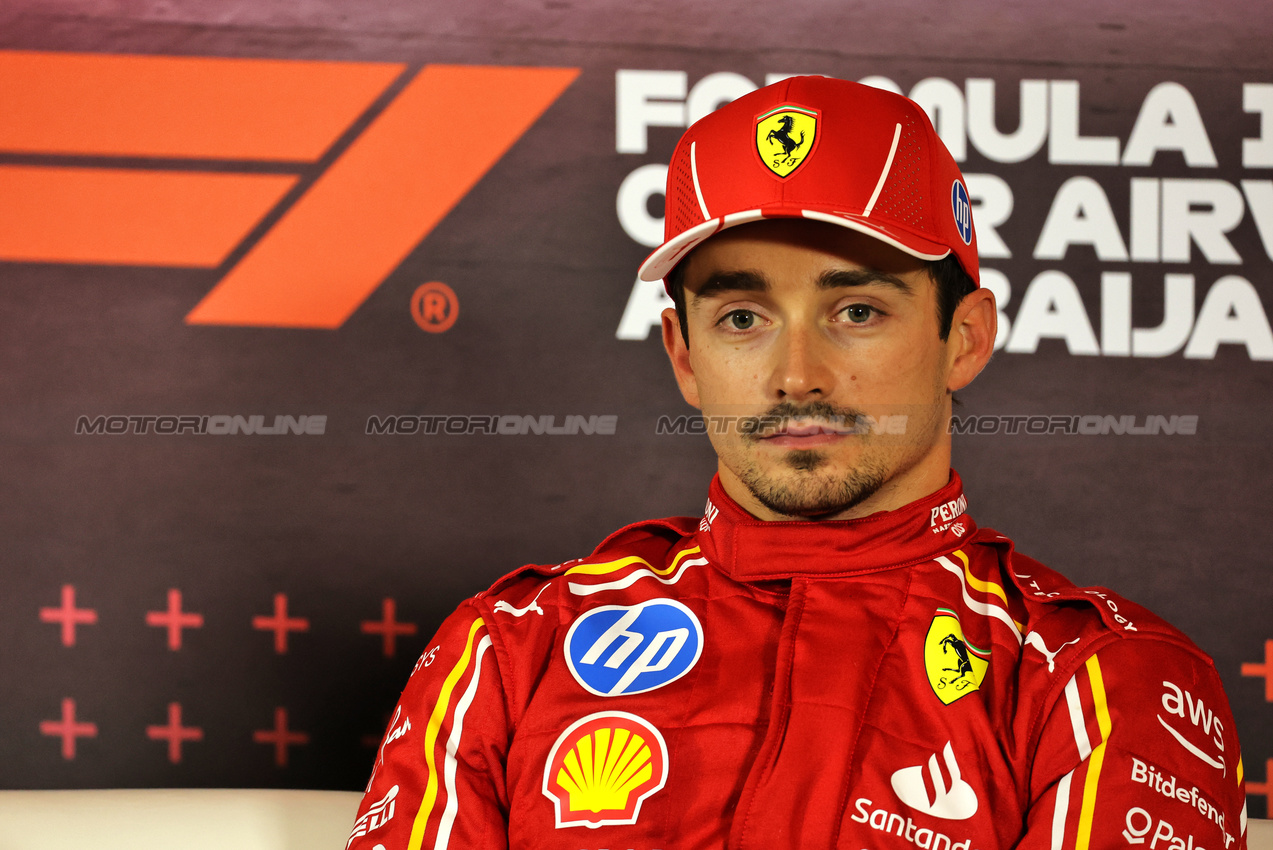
x=748 y=280
x=862 y=277
x=733 y=281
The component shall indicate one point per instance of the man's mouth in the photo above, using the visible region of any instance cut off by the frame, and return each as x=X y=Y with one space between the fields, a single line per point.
x=803 y=426
x=807 y=434
x=810 y=429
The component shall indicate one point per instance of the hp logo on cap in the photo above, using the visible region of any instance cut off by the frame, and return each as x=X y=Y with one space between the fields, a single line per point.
x=961 y=208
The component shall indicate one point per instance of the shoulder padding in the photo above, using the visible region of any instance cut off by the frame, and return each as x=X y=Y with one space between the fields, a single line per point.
x=1044 y=590
x=631 y=539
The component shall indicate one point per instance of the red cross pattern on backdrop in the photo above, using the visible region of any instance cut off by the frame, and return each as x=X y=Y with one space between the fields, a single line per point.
x=174 y=733
x=68 y=615
x=68 y=728
x=280 y=623
x=280 y=736
x=1263 y=789
x=174 y=619
x=388 y=627
x=1264 y=670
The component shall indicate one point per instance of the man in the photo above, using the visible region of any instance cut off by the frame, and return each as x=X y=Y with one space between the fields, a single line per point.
x=834 y=654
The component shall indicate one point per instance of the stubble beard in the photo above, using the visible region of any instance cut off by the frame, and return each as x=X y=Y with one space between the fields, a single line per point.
x=806 y=484
x=809 y=492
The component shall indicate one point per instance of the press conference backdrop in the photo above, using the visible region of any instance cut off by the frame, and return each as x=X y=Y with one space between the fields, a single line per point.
x=321 y=316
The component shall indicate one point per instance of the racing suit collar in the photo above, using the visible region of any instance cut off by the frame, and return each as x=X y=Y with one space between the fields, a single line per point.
x=752 y=549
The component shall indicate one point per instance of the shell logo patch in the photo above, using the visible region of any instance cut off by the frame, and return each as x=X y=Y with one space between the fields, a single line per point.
x=955 y=667
x=785 y=137
x=603 y=768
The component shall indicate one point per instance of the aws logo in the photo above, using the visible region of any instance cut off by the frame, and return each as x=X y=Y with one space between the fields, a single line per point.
x=319 y=177
x=1175 y=700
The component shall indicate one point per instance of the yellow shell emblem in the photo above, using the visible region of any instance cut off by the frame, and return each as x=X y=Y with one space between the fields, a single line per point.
x=603 y=767
x=955 y=667
x=785 y=136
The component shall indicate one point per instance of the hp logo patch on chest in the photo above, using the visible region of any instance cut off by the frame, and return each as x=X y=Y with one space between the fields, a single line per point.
x=619 y=650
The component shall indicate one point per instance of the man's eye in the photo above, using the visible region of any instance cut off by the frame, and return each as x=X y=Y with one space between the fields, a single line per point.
x=858 y=313
x=741 y=320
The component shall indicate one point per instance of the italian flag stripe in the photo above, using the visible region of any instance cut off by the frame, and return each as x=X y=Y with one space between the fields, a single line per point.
x=789 y=108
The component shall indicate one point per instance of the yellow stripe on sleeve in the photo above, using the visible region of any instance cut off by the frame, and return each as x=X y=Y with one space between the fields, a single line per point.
x=984 y=586
x=978 y=584
x=1098 y=694
x=1098 y=755
x=680 y=556
x=615 y=566
x=607 y=567
x=431 y=738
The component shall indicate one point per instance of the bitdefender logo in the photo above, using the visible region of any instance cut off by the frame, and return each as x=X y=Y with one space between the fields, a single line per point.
x=306 y=182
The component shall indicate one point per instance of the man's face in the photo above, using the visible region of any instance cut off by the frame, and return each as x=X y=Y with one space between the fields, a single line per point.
x=815 y=355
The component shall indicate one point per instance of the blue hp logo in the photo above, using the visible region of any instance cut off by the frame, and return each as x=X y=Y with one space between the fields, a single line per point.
x=962 y=211
x=619 y=649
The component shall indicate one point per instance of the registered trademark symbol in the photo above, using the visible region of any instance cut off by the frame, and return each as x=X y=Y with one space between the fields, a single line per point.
x=435 y=307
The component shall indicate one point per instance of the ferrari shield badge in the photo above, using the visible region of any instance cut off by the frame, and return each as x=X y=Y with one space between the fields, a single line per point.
x=955 y=667
x=785 y=136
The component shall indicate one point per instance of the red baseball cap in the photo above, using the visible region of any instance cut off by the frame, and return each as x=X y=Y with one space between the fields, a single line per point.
x=821 y=149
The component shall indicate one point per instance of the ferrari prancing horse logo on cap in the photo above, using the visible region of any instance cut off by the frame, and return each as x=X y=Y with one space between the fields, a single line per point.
x=785 y=136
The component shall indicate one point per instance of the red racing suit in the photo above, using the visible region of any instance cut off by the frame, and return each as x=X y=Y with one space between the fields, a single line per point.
x=903 y=680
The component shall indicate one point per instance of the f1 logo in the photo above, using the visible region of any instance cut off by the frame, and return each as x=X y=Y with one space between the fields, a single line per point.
x=323 y=175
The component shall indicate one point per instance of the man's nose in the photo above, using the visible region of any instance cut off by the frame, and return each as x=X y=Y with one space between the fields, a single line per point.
x=802 y=369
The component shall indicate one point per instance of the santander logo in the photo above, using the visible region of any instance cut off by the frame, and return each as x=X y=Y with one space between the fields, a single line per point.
x=953 y=801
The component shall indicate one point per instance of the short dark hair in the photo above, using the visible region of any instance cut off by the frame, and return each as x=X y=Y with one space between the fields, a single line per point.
x=952 y=282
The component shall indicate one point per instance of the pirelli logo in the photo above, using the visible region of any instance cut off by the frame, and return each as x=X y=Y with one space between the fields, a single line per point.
x=306 y=182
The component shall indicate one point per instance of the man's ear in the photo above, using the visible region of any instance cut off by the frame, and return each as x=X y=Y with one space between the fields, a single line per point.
x=972 y=337
x=679 y=354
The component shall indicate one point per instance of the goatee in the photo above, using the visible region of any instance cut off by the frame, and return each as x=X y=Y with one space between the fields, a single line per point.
x=811 y=495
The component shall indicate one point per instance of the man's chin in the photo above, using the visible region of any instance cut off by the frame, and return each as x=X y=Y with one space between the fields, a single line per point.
x=806 y=489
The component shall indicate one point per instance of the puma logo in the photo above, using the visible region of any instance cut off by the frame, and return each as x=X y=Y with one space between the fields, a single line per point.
x=501 y=605
x=1035 y=641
